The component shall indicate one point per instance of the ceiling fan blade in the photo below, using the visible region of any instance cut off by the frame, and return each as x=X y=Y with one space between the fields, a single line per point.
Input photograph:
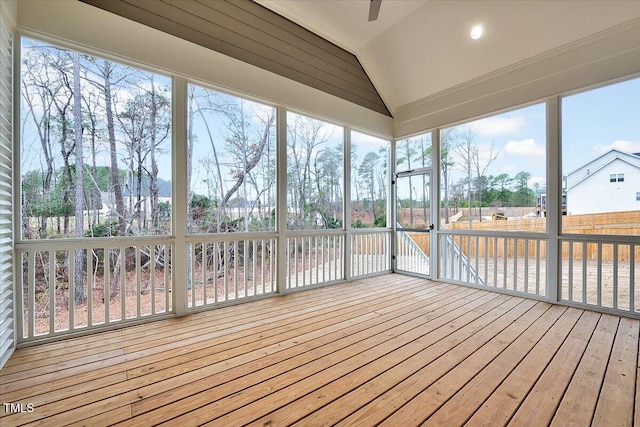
x=374 y=9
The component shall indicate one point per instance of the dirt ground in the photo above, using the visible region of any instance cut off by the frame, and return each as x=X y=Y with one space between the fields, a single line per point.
x=139 y=298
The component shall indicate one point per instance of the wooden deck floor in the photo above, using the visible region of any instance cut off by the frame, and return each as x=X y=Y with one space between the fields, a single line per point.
x=390 y=350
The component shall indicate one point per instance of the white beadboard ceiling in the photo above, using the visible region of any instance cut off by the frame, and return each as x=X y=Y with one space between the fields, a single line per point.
x=419 y=48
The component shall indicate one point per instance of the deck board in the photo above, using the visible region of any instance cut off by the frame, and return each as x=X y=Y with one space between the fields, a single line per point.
x=360 y=366
x=390 y=350
x=615 y=403
x=524 y=354
x=579 y=401
x=539 y=378
x=369 y=402
x=425 y=403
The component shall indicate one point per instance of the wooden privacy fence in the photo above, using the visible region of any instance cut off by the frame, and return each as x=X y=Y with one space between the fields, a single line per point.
x=498 y=246
x=590 y=251
x=621 y=223
x=471 y=245
x=422 y=240
x=611 y=223
x=370 y=242
x=617 y=223
x=526 y=225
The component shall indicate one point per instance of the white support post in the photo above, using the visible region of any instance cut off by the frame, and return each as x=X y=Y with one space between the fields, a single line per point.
x=392 y=214
x=348 y=249
x=180 y=196
x=554 y=197
x=434 y=264
x=281 y=198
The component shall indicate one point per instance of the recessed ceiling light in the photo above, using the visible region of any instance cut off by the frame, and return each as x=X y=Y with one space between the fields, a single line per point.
x=476 y=32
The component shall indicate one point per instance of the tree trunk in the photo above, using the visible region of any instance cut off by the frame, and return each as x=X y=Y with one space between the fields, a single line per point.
x=94 y=174
x=139 y=187
x=373 y=204
x=47 y=150
x=190 y=142
x=115 y=173
x=153 y=180
x=33 y=86
x=79 y=187
x=115 y=277
x=66 y=194
x=213 y=146
x=446 y=195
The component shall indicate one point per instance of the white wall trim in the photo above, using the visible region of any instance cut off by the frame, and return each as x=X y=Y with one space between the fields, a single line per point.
x=307 y=22
x=9 y=11
x=606 y=56
x=8 y=288
x=376 y=79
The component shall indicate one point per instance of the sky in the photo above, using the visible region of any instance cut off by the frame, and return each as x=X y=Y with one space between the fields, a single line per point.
x=593 y=122
x=596 y=121
x=517 y=140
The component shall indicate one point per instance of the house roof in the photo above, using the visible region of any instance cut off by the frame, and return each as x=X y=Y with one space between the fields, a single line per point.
x=603 y=166
x=618 y=154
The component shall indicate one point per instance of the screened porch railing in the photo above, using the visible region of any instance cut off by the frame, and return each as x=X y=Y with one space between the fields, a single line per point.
x=229 y=267
x=601 y=271
x=370 y=251
x=128 y=280
x=513 y=262
x=132 y=279
x=409 y=255
x=314 y=258
x=121 y=280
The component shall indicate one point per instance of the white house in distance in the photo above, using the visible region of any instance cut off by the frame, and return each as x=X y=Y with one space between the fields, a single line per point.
x=609 y=183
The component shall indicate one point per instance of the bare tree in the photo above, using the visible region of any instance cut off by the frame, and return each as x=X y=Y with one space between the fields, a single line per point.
x=407 y=152
x=61 y=94
x=263 y=178
x=215 y=183
x=446 y=164
x=144 y=121
x=79 y=184
x=474 y=163
x=480 y=166
x=91 y=120
x=327 y=172
x=190 y=144
x=424 y=157
x=355 y=179
x=234 y=160
x=248 y=151
x=305 y=138
x=106 y=71
x=160 y=126
x=38 y=92
x=367 y=172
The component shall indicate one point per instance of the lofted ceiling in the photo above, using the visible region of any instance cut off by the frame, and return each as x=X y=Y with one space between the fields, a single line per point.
x=418 y=49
